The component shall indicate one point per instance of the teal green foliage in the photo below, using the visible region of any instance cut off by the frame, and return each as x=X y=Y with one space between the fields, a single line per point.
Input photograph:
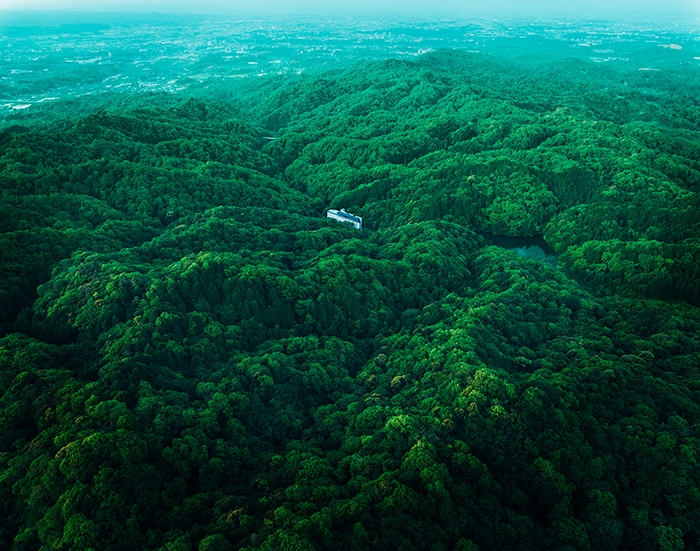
x=193 y=357
x=450 y=139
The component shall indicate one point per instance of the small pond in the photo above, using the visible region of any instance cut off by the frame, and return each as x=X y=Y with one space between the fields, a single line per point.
x=534 y=248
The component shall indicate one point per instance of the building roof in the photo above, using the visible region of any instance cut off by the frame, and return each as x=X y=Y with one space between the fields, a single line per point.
x=345 y=215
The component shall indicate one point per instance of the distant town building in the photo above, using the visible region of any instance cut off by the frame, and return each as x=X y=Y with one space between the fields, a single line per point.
x=345 y=217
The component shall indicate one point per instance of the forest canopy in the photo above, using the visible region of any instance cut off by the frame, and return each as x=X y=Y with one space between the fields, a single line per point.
x=194 y=358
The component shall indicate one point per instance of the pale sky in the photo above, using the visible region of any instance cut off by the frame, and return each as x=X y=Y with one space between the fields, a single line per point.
x=464 y=7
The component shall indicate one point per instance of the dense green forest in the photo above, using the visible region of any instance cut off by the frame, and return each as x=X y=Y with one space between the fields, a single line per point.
x=193 y=358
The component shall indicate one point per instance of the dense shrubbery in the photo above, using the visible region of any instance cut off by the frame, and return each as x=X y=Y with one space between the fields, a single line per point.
x=194 y=358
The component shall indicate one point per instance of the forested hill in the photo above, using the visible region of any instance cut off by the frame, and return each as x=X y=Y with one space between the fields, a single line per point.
x=195 y=358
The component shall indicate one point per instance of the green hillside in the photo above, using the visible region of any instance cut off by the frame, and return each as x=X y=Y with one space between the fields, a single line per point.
x=194 y=358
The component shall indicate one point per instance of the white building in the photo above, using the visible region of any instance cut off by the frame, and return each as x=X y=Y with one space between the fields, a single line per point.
x=345 y=217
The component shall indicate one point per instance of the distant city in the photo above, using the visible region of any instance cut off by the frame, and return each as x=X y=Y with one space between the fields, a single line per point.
x=66 y=57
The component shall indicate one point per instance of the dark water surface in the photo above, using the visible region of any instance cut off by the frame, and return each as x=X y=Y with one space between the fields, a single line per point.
x=534 y=248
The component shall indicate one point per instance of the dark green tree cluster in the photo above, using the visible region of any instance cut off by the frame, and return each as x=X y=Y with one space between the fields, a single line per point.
x=194 y=359
x=483 y=143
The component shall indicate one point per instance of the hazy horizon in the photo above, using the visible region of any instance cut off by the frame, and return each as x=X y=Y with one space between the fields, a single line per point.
x=358 y=7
